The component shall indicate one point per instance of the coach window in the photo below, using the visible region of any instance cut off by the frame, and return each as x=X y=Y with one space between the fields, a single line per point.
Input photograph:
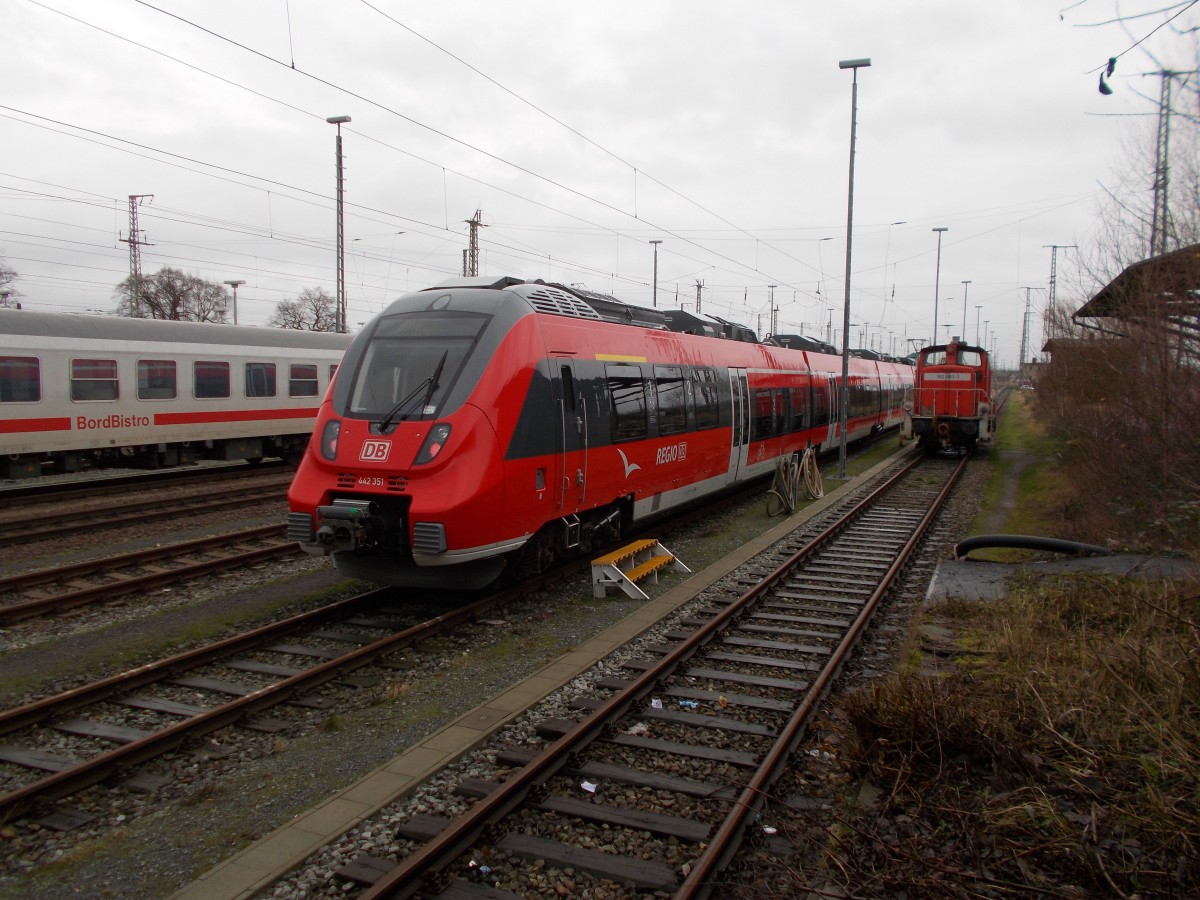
x=94 y=379
x=211 y=380
x=302 y=380
x=706 y=396
x=20 y=379
x=766 y=406
x=156 y=379
x=672 y=405
x=260 y=379
x=628 y=393
x=800 y=408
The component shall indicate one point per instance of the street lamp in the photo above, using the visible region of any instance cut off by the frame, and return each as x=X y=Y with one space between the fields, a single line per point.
x=654 y=293
x=978 y=307
x=964 y=328
x=235 y=285
x=937 y=279
x=844 y=394
x=340 y=315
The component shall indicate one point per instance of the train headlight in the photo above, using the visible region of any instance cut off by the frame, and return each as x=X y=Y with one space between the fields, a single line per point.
x=433 y=445
x=329 y=439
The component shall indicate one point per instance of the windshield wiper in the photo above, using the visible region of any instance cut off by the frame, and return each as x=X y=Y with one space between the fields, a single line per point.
x=429 y=384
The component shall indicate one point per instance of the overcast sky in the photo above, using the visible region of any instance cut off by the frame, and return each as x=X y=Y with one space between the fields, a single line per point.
x=581 y=131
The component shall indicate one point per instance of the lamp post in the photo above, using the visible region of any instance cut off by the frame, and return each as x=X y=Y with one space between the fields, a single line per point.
x=235 y=285
x=340 y=314
x=978 y=307
x=844 y=393
x=654 y=293
x=964 y=327
x=937 y=280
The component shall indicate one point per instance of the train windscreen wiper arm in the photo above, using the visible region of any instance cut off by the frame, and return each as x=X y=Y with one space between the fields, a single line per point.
x=383 y=423
x=429 y=384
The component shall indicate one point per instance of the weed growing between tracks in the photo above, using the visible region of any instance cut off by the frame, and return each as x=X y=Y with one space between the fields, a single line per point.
x=1058 y=756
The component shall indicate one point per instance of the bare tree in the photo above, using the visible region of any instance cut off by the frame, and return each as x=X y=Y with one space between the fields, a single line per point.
x=7 y=276
x=174 y=294
x=313 y=310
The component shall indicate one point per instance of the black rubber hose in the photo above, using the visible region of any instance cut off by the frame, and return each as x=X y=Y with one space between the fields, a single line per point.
x=1028 y=542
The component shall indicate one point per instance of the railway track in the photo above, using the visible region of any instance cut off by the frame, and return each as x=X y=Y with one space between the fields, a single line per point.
x=241 y=677
x=733 y=695
x=48 y=591
x=38 y=523
x=96 y=483
x=257 y=670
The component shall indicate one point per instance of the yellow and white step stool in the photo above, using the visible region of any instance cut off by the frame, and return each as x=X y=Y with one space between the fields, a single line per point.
x=624 y=568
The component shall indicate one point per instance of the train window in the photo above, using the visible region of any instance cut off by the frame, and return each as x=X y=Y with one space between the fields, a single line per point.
x=707 y=398
x=20 y=379
x=568 y=388
x=628 y=393
x=969 y=358
x=302 y=380
x=800 y=408
x=766 y=413
x=412 y=362
x=332 y=370
x=156 y=379
x=94 y=379
x=260 y=379
x=672 y=405
x=211 y=380
x=934 y=357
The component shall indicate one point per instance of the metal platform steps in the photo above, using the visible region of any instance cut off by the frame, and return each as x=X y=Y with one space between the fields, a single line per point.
x=624 y=568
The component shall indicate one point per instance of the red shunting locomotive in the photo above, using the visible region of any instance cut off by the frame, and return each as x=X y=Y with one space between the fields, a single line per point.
x=951 y=405
x=491 y=425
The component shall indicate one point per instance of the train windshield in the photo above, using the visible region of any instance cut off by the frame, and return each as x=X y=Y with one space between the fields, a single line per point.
x=412 y=362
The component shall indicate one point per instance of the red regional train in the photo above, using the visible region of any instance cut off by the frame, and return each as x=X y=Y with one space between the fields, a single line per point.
x=951 y=406
x=78 y=390
x=494 y=424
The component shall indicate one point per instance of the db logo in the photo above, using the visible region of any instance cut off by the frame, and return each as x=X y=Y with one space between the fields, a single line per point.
x=375 y=451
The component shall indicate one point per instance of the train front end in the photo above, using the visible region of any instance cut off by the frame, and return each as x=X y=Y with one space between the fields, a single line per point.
x=950 y=406
x=402 y=482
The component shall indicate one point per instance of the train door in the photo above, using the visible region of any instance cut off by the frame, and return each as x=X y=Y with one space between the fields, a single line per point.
x=739 y=425
x=833 y=401
x=571 y=466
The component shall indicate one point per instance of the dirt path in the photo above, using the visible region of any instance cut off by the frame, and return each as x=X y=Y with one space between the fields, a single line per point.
x=1012 y=463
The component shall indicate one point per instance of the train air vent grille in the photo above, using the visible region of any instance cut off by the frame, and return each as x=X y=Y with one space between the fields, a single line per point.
x=300 y=527
x=397 y=483
x=559 y=303
x=429 y=537
x=345 y=479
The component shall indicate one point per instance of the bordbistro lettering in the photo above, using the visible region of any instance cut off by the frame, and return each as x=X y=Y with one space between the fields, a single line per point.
x=83 y=423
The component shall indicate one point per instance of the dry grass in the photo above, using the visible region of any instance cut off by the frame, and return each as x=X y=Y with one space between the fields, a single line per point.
x=1064 y=760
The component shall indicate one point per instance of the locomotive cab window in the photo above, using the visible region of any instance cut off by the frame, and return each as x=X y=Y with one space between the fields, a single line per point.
x=302 y=380
x=260 y=379
x=211 y=380
x=969 y=358
x=156 y=379
x=412 y=362
x=20 y=379
x=94 y=379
